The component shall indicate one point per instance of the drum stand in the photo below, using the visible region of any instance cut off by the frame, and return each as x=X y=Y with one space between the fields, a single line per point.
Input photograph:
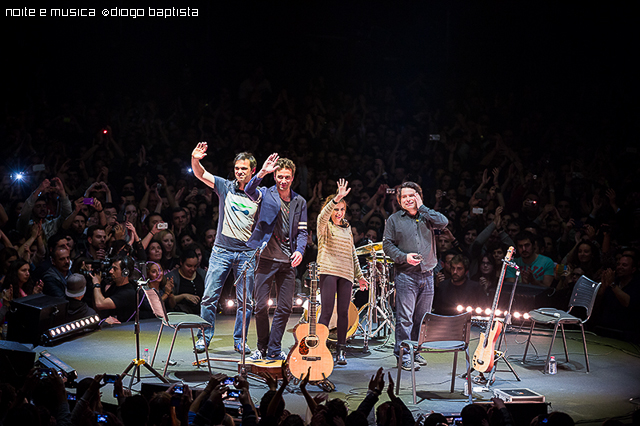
x=378 y=310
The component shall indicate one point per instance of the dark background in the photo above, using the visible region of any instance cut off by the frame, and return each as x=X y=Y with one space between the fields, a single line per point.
x=456 y=46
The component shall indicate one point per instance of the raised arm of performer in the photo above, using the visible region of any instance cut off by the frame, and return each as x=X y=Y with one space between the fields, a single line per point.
x=337 y=264
x=199 y=152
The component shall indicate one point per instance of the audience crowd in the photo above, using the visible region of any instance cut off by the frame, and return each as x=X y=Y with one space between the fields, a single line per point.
x=86 y=181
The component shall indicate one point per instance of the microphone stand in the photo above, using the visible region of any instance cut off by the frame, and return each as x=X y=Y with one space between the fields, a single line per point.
x=243 y=276
x=137 y=361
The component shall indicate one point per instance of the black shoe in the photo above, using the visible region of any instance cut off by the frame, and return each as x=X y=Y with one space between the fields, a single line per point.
x=340 y=357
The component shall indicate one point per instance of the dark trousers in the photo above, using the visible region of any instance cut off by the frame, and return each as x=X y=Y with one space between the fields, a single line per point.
x=284 y=277
x=330 y=286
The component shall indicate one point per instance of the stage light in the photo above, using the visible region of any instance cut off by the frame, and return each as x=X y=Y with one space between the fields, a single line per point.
x=498 y=312
x=105 y=131
x=299 y=301
x=72 y=328
x=517 y=315
x=487 y=311
x=459 y=308
x=270 y=302
x=478 y=310
x=526 y=315
x=231 y=303
x=469 y=309
x=48 y=360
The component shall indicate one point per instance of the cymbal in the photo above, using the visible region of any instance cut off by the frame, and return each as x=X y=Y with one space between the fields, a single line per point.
x=368 y=248
x=380 y=257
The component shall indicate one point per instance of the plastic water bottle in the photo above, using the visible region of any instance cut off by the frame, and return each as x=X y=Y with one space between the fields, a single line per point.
x=5 y=329
x=553 y=365
x=145 y=355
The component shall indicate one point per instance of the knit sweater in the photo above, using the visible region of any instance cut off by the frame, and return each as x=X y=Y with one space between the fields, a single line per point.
x=336 y=252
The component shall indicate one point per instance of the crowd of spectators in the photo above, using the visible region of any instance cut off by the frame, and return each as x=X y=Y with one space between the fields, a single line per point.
x=103 y=176
x=43 y=400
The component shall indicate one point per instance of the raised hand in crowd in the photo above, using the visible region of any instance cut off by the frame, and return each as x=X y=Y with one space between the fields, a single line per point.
x=376 y=384
x=611 y=195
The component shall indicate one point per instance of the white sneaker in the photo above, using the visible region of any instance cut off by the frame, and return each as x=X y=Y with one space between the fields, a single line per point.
x=200 y=346
x=257 y=355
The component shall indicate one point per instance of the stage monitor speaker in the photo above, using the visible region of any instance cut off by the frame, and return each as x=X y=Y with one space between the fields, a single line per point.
x=522 y=412
x=33 y=315
x=15 y=362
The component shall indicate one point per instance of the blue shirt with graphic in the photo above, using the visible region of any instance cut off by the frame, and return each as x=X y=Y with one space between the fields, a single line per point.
x=237 y=214
x=540 y=267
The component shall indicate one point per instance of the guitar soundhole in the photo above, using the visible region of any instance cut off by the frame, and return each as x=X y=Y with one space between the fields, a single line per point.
x=307 y=343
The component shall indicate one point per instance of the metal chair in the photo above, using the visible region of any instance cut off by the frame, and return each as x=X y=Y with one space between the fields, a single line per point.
x=177 y=321
x=439 y=334
x=584 y=296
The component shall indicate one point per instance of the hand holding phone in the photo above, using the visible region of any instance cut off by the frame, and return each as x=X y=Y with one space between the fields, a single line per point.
x=109 y=378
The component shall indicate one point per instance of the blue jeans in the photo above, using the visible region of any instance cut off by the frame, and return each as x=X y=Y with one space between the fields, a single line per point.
x=414 y=297
x=284 y=277
x=222 y=262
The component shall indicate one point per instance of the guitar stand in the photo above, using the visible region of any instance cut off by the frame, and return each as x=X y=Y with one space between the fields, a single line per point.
x=326 y=385
x=499 y=355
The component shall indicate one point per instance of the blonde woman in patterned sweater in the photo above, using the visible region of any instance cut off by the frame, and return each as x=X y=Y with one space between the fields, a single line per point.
x=338 y=265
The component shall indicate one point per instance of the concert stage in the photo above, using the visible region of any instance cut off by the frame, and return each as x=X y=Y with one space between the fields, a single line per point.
x=607 y=391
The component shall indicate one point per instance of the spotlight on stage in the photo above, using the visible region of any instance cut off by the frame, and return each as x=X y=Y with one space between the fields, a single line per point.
x=298 y=303
x=459 y=308
x=64 y=331
x=270 y=303
x=229 y=306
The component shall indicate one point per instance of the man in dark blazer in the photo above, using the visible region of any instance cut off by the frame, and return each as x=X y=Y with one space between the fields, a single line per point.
x=282 y=225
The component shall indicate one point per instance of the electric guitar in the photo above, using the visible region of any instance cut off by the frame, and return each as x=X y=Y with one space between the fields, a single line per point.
x=311 y=349
x=484 y=356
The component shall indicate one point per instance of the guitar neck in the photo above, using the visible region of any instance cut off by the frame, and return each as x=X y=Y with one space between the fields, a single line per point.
x=313 y=274
x=496 y=298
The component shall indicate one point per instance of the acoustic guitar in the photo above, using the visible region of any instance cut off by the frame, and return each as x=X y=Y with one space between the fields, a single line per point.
x=484 y=356
x=311 y=349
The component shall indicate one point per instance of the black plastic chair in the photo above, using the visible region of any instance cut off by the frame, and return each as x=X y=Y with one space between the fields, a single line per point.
x=439 y=333
x=583 y=295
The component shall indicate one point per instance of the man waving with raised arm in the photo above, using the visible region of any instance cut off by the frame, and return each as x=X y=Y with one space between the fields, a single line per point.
x=283 y=227
x=237 y=213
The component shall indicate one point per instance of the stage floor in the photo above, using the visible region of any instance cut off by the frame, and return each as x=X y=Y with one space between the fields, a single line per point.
x=607 y=391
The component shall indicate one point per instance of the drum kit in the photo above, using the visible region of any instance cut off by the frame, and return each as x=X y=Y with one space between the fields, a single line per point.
x=379 y=320
x=375 y=318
